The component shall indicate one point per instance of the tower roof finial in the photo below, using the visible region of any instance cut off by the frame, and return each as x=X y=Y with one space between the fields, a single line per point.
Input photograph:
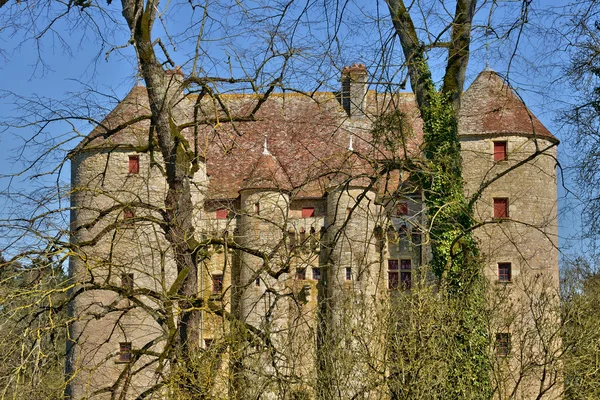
x=265 y=148
x=350 y=144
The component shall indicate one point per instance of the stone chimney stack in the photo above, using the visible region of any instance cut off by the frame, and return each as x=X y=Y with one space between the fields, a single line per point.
x=174 y=79
x=354 y=89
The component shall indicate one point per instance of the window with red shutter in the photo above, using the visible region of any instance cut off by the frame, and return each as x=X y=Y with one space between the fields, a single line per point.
x=134 y=165
x=500 y=153
x=308 y=212
x=500 y=208
x=222 y=213
x=128 y=214
x=402 y=209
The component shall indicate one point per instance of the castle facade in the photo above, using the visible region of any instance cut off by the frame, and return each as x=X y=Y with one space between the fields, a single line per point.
x=298 y=225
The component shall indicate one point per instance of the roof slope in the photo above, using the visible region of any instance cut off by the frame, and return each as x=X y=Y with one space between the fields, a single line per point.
x=309 y=136
x=491 y=107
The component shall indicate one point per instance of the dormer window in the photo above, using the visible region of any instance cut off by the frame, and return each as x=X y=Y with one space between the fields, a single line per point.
x=134 y=165
x=500 y=153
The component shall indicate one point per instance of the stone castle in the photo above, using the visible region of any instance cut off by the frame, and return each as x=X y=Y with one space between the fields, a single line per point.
x=293 y=212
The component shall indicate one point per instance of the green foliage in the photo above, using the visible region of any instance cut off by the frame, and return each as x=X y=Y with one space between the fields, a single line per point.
x=455 y=256
x=581 y=333
x=32 y=332
x=391 y=131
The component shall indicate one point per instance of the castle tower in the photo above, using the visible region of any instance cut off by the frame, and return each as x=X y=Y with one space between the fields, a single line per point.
x=120 y=256
x=509 y=169
x=261 y=285
x=354 y=286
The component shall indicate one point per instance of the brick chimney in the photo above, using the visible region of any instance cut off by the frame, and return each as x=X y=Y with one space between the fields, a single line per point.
x=354 y=89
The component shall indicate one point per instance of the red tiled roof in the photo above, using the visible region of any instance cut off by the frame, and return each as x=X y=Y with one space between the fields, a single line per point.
x=308 y=136
x=491 y=107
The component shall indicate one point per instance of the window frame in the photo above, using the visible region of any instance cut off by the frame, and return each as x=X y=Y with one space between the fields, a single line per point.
x=125 y=353
x=504 y=272
x=301 y=274
x=316 y=273
x=348 y=274
x=503 y=344
x=505 y=204
x=393 y=274
x=503 y=154
x=127 y=280
x=217 y=283
x=134 y=164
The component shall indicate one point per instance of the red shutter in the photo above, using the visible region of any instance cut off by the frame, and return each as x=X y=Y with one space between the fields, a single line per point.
x=500 y=208
x=500 y=151
x=222 y=213
x=308 y=212
x=402 y=209
x=134 y=164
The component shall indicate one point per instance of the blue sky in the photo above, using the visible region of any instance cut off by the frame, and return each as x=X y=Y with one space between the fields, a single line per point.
x=79 y=62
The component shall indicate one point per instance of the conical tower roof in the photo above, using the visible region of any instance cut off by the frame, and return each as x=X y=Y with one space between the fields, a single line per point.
x=117 y=128
x=267 y=174
x=491 y=107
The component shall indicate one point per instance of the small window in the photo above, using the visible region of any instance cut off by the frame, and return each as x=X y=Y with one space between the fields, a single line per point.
x=401 y=209
x=134 y=165
x=504 y=272
x=257 y=282
x=503 y=344
x=316 y=273
x=125 y=352
x=127 y=281
x=301 y=274
x=393 y=275
x=500 y=208
x=222 y=213
x=308 y=212
x=128 y=213
x=208 y=343
x=217 y=284
x=348 y=273
x=257 y=208
x=500 y=153
x=406 y=273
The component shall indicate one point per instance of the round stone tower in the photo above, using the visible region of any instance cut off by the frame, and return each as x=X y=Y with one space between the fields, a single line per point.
x=260 y=285
x=116 y=188
x=509 y=169
x=354 y=287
